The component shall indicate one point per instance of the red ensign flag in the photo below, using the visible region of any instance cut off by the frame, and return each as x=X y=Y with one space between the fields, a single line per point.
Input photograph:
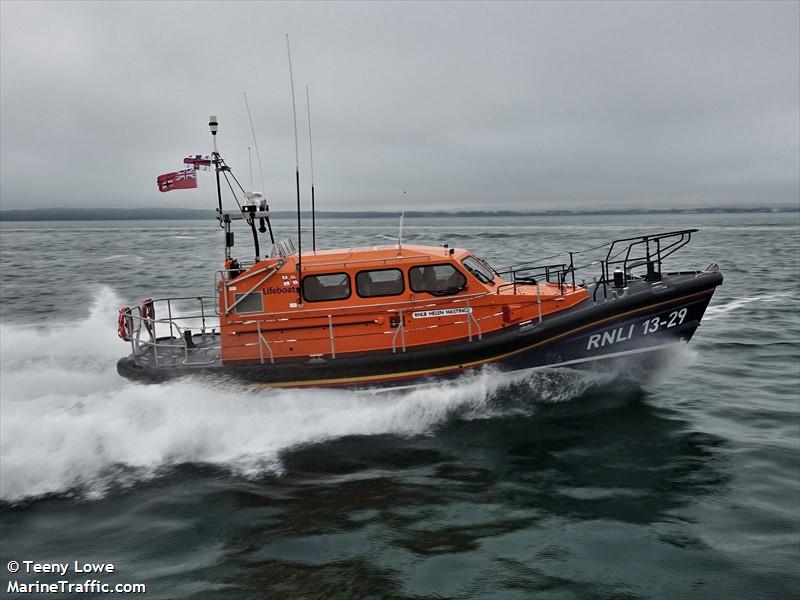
x=179 y=180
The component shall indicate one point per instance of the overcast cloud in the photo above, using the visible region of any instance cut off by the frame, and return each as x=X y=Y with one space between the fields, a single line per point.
x=463 y=106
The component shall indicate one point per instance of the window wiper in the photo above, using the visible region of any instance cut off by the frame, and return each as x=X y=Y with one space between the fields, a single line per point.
x=448 y=291
x=478 y=275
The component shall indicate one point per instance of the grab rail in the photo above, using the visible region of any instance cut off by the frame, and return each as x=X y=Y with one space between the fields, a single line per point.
x=628 y=254
x=135 y=321
x=652 y=256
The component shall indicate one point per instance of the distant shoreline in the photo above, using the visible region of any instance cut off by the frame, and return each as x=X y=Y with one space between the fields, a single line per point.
x=148 y=214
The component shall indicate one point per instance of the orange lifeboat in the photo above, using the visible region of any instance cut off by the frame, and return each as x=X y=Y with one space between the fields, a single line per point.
x=408 y=314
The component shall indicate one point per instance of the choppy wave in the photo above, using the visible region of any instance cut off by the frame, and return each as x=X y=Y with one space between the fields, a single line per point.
x=716 y=310
x=121 y=257
x=70 y=425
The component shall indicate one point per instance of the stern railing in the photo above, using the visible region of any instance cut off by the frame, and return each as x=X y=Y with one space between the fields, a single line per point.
x=143 y=324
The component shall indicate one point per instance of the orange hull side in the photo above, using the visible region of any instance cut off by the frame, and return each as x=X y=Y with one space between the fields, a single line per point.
x=286 y=328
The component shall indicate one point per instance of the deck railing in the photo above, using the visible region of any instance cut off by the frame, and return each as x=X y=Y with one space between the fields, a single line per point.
x=144 y=334
x=159 y=335
x=627 y=254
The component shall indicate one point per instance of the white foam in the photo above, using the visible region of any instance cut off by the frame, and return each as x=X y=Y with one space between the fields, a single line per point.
x=69 y=423
x=715 y=311
x=122 y=257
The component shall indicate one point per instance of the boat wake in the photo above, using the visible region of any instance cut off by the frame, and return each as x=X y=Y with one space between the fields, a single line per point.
x=715 y=312
x=69 y=425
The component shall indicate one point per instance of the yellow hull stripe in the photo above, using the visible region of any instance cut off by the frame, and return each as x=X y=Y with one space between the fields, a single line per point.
x=477 y=363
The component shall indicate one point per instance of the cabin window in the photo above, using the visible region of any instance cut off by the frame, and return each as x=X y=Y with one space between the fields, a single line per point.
x=479 y=269
x=439 y=280
x=382 y=282
x=249 y=303
x=330 y=286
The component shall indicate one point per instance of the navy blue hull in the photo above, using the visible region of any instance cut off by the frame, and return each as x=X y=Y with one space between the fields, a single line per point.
x=638 y=331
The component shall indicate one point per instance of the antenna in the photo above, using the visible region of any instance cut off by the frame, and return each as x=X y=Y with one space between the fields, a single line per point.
x=263 y=202
x=255 y=143
x=400 y=236
x=297 y=179
x=311 y=150
x=250 y=160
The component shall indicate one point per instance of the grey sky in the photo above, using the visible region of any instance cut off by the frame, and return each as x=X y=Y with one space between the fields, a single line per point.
x=462 y=105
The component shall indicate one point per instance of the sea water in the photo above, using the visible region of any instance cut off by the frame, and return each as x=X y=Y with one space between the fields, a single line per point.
x=556 y=485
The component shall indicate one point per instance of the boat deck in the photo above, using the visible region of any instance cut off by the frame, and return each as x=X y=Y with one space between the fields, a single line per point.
x=171 y=352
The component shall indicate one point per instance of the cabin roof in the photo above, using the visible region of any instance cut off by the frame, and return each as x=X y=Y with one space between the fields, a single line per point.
x=382 y=254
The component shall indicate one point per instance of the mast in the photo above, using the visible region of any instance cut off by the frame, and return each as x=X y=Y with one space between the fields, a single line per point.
x=224 y=220
x=250 y=209
x=213 y=125
x=297 y=180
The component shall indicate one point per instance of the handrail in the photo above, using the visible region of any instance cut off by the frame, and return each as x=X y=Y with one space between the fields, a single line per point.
x=270 y=272
x=652 y=258
x=652 y=237
x=261 y=339
x=654 y=254
x=176 y=298
x=597 y=285
x=241 y=278
x=330 y=333
x=136 y=320
x=398 y=339
x=401 y=330
x=470 y=320
x=308 y=267
x=304 y=312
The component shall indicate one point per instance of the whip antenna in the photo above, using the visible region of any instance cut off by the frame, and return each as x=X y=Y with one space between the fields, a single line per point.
x=400 y=236
x=311 y=150
x=250 y=160
x=255 y=143
x=296 y=176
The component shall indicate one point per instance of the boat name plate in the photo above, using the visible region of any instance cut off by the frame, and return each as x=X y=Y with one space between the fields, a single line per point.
x=443 y=312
